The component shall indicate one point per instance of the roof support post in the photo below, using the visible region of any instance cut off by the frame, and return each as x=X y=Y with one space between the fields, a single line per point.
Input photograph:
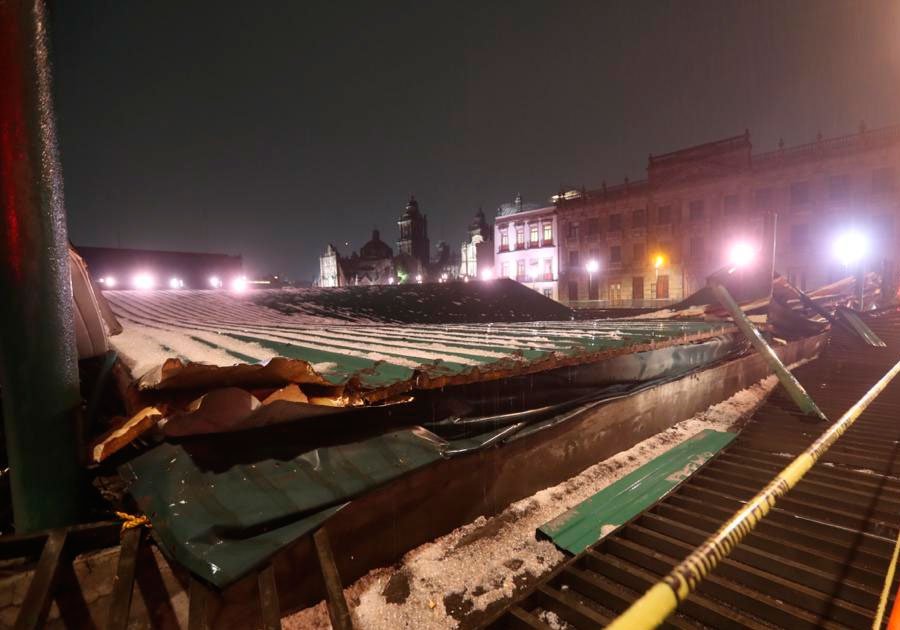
x=38 y=361
x=791 y=384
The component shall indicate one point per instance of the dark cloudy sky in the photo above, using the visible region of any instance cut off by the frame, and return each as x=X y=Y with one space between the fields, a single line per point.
x=271 y=128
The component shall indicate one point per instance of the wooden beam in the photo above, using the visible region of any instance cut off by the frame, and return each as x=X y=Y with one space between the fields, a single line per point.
x=123 y=585
x=40 y=591
x=198 y=607
x=268 y=599
x=337 y=605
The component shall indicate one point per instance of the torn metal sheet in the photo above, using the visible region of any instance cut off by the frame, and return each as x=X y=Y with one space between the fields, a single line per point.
x=223 y=522
x=618 y=503
x=223 y=504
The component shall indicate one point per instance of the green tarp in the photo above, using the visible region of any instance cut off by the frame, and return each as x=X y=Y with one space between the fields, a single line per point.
x=621 y=501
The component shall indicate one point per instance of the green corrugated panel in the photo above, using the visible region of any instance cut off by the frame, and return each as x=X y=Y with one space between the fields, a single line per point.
x=621 y=501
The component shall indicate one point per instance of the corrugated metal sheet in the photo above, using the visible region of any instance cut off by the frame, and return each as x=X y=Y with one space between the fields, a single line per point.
x=370 y=360
x=621 y=501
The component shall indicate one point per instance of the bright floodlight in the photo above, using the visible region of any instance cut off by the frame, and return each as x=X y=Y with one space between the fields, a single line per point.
x=391 y=280
x=487 y=274
x=239 y=284
x=215 y=282
x=741 y=254
x=143 y=281
x=592 y=266
x=850 y=247
x=176 y=283
x=419 y=278
x=109 y=281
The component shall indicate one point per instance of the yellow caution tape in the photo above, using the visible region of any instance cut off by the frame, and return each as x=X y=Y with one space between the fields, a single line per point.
x=886 y=589
x=130 y=521
x=662 y=599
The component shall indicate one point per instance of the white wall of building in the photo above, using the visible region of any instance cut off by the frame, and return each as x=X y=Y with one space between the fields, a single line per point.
x=526 y=247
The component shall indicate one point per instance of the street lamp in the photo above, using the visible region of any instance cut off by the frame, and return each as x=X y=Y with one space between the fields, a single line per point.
x=851 y=248
x=487 y=275
x=592 y=266
x=143 y=281
x=741 y=255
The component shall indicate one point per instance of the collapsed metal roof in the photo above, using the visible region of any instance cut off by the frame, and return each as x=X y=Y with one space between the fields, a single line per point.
x=180 y=339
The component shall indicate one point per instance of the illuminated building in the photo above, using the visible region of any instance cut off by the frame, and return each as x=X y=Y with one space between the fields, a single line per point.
x=657 y=239
x=525 y=245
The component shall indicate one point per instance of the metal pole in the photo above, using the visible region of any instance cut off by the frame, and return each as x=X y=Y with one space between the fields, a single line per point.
x=38 y=362
x=791 y=384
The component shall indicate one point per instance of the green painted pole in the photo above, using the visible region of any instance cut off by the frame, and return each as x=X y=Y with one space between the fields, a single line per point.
x=791 y=384
x=38 y=361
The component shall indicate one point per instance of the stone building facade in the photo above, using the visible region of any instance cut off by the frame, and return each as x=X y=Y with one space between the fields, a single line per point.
x=477 y=252
x=656 y=240
x=526 y=243
x=375 y=263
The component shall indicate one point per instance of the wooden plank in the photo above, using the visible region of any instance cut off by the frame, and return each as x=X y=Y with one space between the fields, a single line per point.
x=198 y=607
x=40 y=591
x=123 y=585
x=337 y=605
x=521 y=619
x=268 y=599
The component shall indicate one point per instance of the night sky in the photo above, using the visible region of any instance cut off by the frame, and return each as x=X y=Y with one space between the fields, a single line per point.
x=228 y=127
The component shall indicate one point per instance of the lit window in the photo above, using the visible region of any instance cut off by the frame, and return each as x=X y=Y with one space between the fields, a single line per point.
x=520 y=235
x=533 y=233
x=548 y=232
x=504 y=239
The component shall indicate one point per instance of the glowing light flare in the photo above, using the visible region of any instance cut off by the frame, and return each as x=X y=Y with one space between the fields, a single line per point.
x=215 y=282
x=592 y=266
x=143 y=281
x=659 y=261
x=741 y=254
x=851 y=247
x=108 y=281
x=391 y=280
x=487 y=275
x=239 y=284
x=419 y=278
x=176 y=283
